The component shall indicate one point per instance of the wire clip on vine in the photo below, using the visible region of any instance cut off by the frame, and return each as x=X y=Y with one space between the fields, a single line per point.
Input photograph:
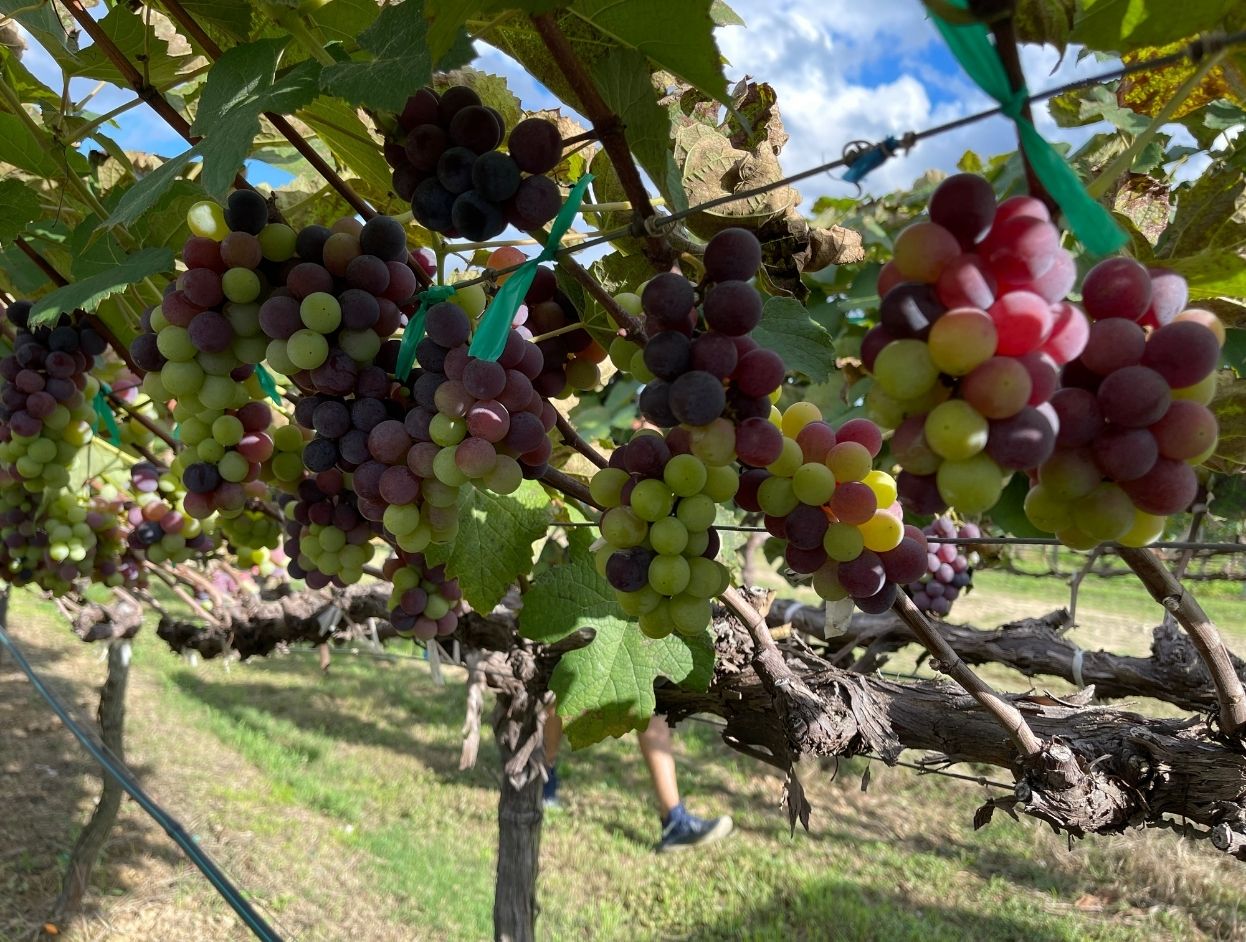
x=414 y=332
x=495 y=323
x=864 y=158
x=103 y=413
x=973 y=49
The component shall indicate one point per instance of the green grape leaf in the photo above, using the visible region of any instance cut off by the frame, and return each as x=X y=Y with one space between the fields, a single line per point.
x=343 y=20
x=622 y=76
x=42 y=22
x=28 y=88
x=1233 y=354
x=804 y=344
x=348 y=139
x=492 y=89
x=242 y=84
x=493 y=547
x=230 y=19
x=679 y=37
x=19 y=205
x=141 y=197
x=138 y=43
x=1045 y=21
x=1212 y=274
x=723 y=15
x=1077 y=108
x=401 y=61
x=1122 y=25
x=89 y=292
x=22 y=148
x=1211 y=213
x=606 y=688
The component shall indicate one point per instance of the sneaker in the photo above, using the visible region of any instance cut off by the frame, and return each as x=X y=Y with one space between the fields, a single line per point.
x=549 y=791
x=683 y=830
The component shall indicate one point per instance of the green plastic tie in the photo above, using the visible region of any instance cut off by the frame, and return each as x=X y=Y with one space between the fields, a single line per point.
x=414 y=332
x=267 y=383
x=1090 y=222
x=103 y=413
x=490 y=338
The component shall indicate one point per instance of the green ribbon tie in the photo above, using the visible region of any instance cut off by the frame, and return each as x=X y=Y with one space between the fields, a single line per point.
x=103 y=413
x=268 y=384
x=1090 y=222
x=490 y=338
x=414 y=332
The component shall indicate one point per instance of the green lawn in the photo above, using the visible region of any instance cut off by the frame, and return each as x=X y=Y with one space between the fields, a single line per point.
x=337 y=803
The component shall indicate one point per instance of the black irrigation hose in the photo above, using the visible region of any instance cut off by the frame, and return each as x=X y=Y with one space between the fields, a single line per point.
x=125 y=778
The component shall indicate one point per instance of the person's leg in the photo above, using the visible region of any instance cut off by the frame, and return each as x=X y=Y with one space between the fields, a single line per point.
x=655 y=746
x=680 y=828
x=553 y=739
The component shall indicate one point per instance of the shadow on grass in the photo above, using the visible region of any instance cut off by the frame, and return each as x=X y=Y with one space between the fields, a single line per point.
x=842 y=909
x=46 y=777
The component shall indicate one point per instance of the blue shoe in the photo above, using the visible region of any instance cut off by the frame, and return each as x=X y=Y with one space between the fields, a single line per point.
x=682 y=830
x=549 y=791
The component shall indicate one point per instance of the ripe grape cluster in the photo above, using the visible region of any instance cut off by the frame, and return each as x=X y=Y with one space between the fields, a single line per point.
x=160 y=530
x=700 y=367
x=424 y=603
x=1133 y=416
x=446 y=161
x=46 y=393
x=570 y=354
x=949 y=569
x=839 y=518
x=658 y=543
x=328 y=540
x=973 y=331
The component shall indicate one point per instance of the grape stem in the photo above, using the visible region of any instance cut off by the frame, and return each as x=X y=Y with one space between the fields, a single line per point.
x=573 y=438
x=606 y=125
x=631 y=325
x=1168 y=591
x=949 y=662
x=569 y=486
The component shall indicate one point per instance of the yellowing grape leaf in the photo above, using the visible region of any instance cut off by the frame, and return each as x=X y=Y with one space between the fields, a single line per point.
x=1148 y=92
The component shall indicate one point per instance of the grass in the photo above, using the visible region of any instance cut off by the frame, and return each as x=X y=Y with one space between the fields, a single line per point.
x=337 y=802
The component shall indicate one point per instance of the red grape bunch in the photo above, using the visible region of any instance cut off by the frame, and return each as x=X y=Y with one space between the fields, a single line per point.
x=424 y=604
x=328 y=541
x=1133 y=416
x=658 y=543
x=820 y=495
x=949 y=569
x=973 y=330
x=571 y=355
x=446 y=161
x=701 y=368
x=160 y=529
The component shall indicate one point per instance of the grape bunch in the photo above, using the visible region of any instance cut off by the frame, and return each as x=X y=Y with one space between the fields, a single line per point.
x=1133 y=416
x=284 y=468
x=949 y=570
x=251 y=536
x=973 y=330
x=328 y=541
x=658 y=543
x=487 y=419
x=160 y=530
x=700 y=367
x=424 y=604
x=338 y=301
x=818 y=492
x=46 y=399
x=57 y=541
x=446 y=161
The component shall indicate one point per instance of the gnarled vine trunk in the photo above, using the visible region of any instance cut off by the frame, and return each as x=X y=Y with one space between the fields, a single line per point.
x=91 y=841
x=517 y=729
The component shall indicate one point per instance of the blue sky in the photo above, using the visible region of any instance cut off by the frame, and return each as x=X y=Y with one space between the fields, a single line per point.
x=843 y=69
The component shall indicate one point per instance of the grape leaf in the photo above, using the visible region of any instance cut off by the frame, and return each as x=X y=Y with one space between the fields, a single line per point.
x=723 y=15
x=341 y=130
x=679 y=37
x=343 y=20
x=227 y=18
x=401 y=61
x=606 y=688
x=242 y=84
x=804 y=344
x=622 y=76
x=19 y=205
x=1009 y=511
x=138 y=43
x=20 y=147
x=28 y=88
x=89 y=292
x=1123 y=25
x=141 y=197
x=1211 y=213
x=493 y=547
x=1212 y=274
x=1045 y=21
x=41 y=21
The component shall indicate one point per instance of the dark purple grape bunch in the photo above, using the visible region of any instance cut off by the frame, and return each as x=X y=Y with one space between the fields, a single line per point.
x=446 y=161
x=704 y=364
x=424 y=603
x=949 y=568
x=571 y=355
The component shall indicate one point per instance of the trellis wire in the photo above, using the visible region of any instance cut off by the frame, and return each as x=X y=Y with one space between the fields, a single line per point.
x=655 y=224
